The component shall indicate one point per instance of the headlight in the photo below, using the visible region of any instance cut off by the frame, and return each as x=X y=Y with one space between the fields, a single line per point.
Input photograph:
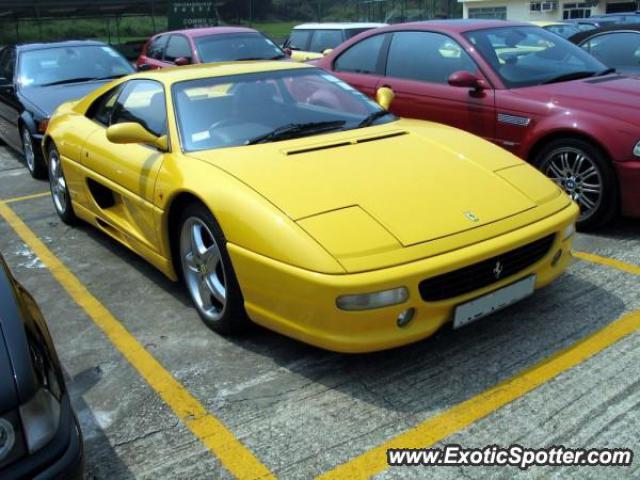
x=636 y=150
x=7 y=438
x=367 y=301
x=40 y=419
x=568 y=231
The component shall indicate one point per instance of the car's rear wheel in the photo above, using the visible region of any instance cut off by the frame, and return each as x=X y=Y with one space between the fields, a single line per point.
x=207 y=272
x=59 y=190
x=586 y=174
x=35 y=162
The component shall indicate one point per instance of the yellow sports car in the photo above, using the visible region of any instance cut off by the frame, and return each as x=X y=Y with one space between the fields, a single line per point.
x=282 y=195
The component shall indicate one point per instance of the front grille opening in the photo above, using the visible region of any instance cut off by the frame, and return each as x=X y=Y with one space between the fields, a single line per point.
x=484 y=273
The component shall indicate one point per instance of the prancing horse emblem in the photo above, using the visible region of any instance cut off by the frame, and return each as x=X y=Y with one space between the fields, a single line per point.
x=471 y=216
x=497 y=270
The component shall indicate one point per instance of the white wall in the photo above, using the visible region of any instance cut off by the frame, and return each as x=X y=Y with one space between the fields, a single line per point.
x=519 y=9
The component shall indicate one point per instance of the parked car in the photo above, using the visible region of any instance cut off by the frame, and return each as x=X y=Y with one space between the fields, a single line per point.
x=616 y=18
x=276 y=190
x=206 y=45
x=563 y=29
x=36 y=78
x=526 y=89
x=39 y=434
x=617 y=46
x=312 y=40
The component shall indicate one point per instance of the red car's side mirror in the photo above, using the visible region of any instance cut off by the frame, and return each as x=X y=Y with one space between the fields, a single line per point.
x=144 y=67
x=181 y=61
x=466 y=80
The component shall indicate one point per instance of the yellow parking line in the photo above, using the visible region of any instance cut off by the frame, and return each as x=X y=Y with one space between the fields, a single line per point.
x=26 y=197
x=609 y=262
x=460 y=416
x=233 y=455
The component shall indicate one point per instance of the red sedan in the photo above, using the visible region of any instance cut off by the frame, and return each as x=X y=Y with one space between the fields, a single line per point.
x=517 y=85
x=207 y=45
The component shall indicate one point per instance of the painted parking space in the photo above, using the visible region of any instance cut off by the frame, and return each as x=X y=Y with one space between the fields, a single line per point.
x=299 y=410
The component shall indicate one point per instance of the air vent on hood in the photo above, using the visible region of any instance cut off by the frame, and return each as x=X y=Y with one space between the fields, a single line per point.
x=344 y=143
x=605 y=79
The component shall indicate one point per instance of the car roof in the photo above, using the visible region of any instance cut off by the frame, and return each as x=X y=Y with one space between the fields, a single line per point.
x=455 y=25
x=206 y=31
x=206 y=70
x=337 y=26
x=582 y=36
x=547 y=23
x=24 y=47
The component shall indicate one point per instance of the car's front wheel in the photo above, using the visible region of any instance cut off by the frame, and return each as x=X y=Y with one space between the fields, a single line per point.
x=207 y=272
x=59 y=190
x=33 y=159
x=586 y=174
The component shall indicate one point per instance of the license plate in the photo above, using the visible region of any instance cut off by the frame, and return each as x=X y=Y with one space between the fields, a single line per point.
x=481 y=307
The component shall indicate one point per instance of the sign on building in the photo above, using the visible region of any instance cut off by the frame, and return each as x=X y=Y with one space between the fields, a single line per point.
x=192 y=14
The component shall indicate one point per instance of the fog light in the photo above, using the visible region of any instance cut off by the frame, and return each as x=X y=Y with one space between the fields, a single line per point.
x=568 y=231
x=405 y=317
x=7 y=438
x=556 y=258
x=367 y=301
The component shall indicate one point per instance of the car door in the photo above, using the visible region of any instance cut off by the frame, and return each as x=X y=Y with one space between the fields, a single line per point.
x=361 y=65
x=10 y=107
x=121 y=177
x=619 y=50
x=418 y=68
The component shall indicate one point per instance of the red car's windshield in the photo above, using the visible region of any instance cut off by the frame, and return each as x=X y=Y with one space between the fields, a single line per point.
x=527 y=56
x=237 y=46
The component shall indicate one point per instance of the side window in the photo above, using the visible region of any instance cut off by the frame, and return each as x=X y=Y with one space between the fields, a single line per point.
x=617 y=50
x=178 y=46
x=324 y=39
x=155 y=49
x=361 y=57
x=299 y=39
x=7 y=63
x=143 y=102
x=101 y=109
x=426 y=57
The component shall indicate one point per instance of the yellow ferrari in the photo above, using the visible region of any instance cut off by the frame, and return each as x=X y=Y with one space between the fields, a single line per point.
x=281 y=195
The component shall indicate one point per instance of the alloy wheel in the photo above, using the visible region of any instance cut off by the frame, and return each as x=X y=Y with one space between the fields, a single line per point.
x=58 y=183
x=27 y=148
x=578 y=175
x=203 y=269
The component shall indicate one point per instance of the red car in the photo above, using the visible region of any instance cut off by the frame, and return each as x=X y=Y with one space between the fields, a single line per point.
x=519 y=86
x=206 y=45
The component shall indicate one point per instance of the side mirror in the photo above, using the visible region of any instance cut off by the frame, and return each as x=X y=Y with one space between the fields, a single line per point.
x=384 y=97
x=327 y=51
x=144 y=67
x=131 y=132
x=181 y=61
x=467 y=80
x=287 y=51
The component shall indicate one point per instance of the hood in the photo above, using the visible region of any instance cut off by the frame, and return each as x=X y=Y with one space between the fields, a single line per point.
x=418 y=184
x=47 y=99
x=616 y=96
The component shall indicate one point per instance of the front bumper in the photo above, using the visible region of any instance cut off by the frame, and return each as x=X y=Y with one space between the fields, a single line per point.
x=629 y=180
x=302 y=304
x=62 y=458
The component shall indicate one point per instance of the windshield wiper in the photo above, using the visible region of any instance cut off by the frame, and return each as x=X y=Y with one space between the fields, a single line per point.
x=368 y=121
x=570 y=76
x=606 y=71
x=293 y=130
x=81 y=79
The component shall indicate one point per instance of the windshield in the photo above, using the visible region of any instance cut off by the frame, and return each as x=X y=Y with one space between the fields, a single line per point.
x=237 y=110
x=237 y=46
x=527 y=56
x=67 y=64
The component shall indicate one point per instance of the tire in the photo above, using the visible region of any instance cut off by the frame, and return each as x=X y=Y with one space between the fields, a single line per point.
x=207 y=272
x=32 y=155
x=583 y=171
x=59 y=190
